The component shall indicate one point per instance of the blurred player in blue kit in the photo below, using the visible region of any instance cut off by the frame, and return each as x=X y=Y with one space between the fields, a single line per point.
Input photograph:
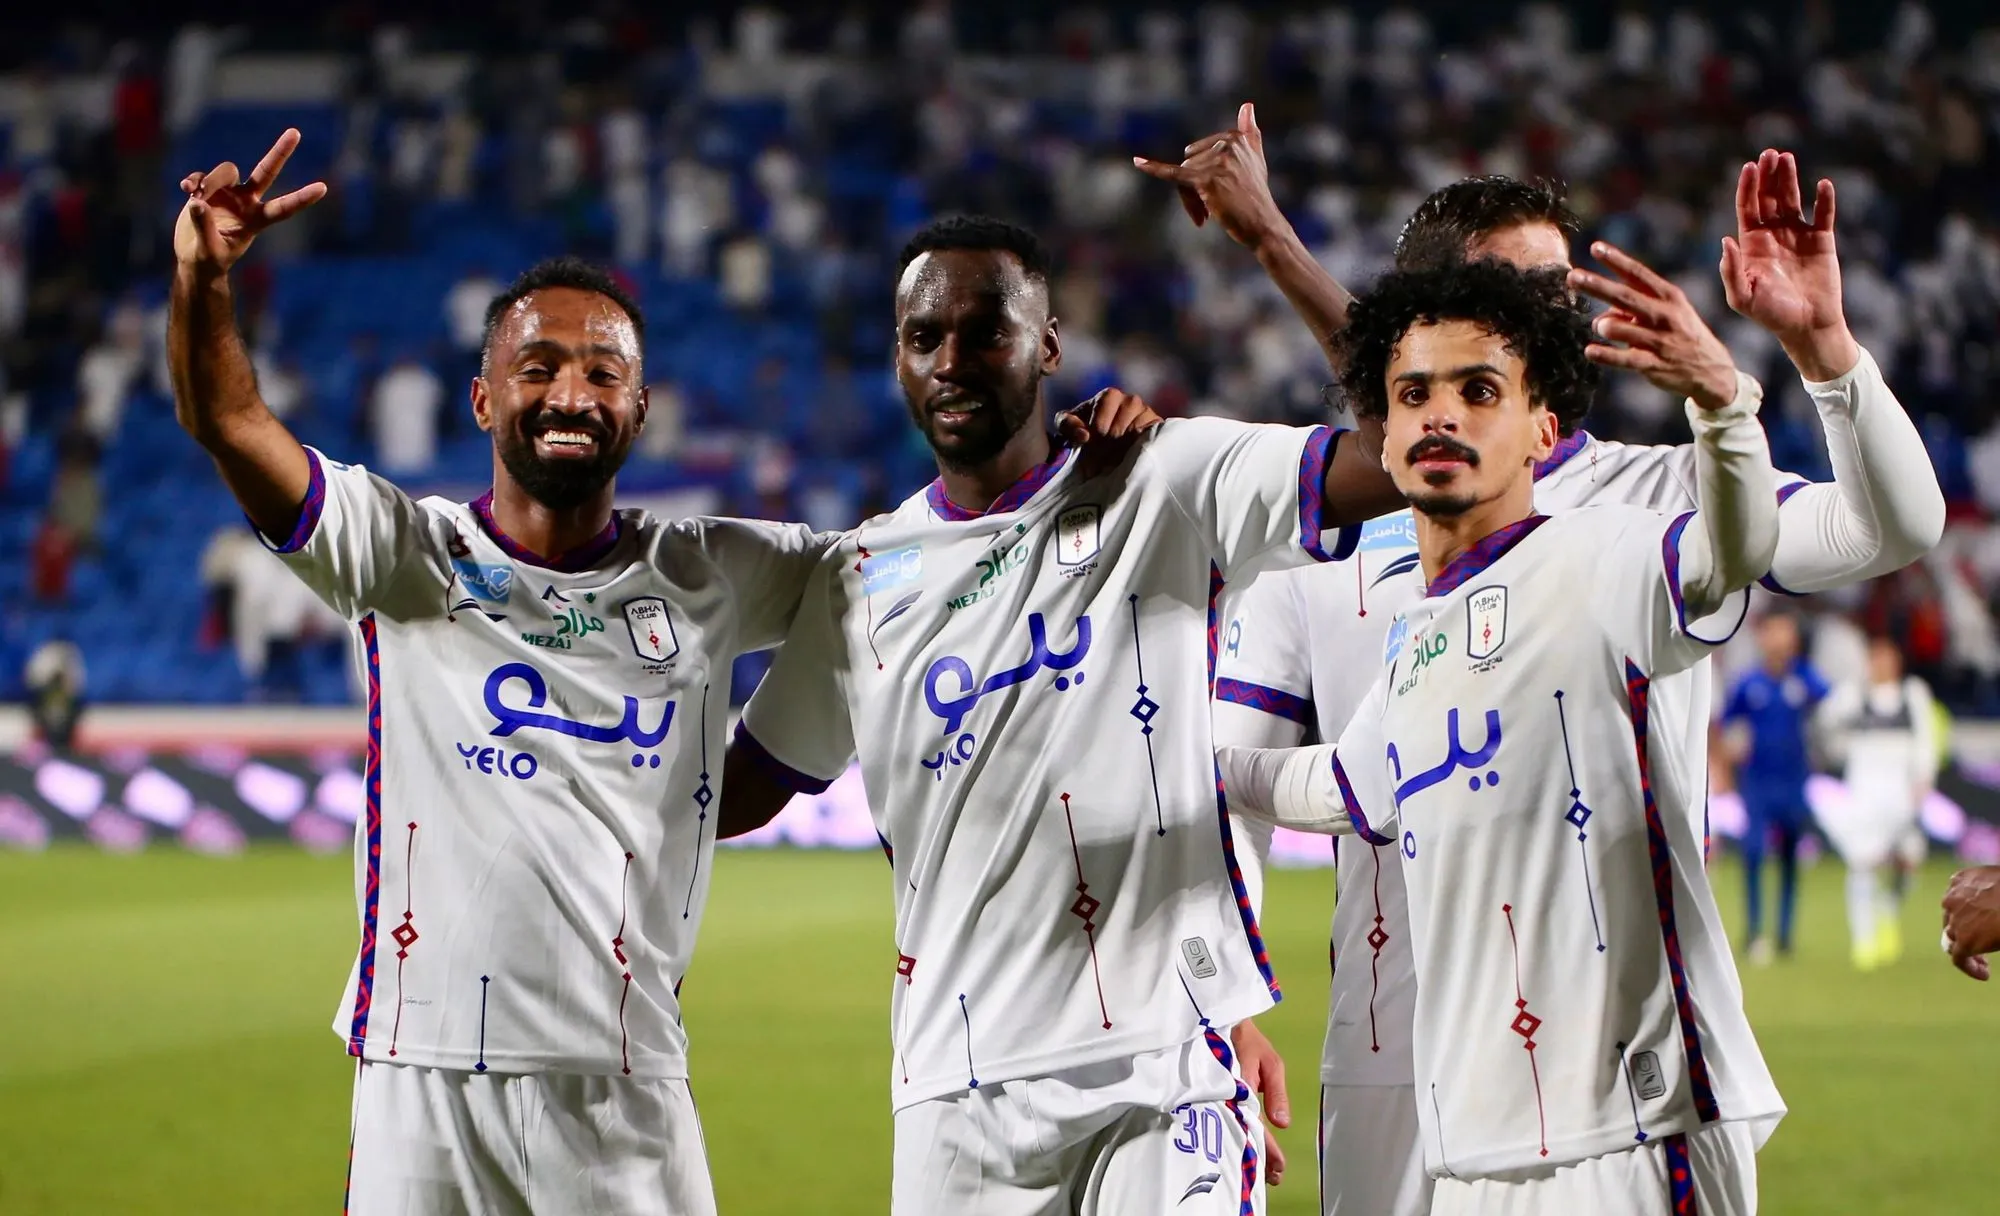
x=1768 y=717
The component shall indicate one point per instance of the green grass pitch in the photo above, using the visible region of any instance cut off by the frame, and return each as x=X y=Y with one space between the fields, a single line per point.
x=164 y=1044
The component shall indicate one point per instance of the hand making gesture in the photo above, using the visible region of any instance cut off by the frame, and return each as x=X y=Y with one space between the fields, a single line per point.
x=224 y=213
x=1781 y=270
x=1657 y=330
x=1224 y=177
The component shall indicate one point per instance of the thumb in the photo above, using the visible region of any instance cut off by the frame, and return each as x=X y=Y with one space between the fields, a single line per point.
x=1246 y=118
x=1735 y=283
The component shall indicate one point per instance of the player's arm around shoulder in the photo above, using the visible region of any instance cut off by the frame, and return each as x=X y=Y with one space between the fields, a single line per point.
x=796 y=734
x=767 y=566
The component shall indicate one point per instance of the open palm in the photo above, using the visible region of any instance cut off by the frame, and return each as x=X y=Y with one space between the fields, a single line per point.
x=225 y=212
x=1781 y=270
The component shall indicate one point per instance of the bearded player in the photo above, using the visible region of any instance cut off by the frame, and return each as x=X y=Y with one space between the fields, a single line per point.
x=1073 y=935
x=547 y=695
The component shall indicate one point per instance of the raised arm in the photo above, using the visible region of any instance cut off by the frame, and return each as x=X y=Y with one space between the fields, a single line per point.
x=215 y=390
x=1224 y=177
x=1885 y=508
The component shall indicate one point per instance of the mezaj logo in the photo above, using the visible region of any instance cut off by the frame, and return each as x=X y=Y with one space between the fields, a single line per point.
x=1398 y=531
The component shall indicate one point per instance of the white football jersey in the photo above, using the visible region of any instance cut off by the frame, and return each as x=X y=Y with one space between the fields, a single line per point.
x=1028 y=692
x=544 y=750
x=1300 y=645
x=1575 y=990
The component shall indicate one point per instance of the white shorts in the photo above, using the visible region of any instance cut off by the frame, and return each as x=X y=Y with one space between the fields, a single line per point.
x=1172 y=1131
x=436 y=1142
x=1710 y=1172
x=1370 y=1162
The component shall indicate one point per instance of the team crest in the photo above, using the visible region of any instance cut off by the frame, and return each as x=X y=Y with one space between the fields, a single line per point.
x=1486 y=622
x=652 y=629
x=1077 y=540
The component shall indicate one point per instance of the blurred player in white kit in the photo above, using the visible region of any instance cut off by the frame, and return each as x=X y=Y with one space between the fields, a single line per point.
x=1021 y=656
x=547 y=695
x=1882 y=729
x=1287 y=664
x=1579 y=1038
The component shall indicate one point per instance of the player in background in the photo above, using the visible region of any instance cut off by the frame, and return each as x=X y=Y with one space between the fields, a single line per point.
x=1021 y=653
x=547 y=694
x=1881 y=729
x=1286 y=669
x=1765 y=722
x=1580 y=1040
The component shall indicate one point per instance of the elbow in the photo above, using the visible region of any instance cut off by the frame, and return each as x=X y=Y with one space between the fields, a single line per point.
x=1914 y=531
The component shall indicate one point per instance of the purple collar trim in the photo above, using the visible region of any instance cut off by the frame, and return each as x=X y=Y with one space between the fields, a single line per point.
x=1565 y=448
x=581 y=558
x=1482 y=555
x=1013 y=498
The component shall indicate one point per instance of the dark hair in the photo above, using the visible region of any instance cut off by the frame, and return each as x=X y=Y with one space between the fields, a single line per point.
x=1532 y=312
x=560 y=272
x=1452 y=217
x=980 y=232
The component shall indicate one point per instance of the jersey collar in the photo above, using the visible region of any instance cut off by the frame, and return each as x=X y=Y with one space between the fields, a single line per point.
x=1566 y=448
x=1013 y=498
x=583 y=557
x=1485 y=553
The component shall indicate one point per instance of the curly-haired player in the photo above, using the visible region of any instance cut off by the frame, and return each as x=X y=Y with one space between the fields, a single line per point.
x=1579 y=1038
x=1287 y=664
x=1531 y=312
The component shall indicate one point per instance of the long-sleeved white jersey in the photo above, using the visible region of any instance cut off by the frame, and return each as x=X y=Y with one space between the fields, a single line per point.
x=1028 y=690
x=1575 y=991
x=1290 y=660
x=544 y=749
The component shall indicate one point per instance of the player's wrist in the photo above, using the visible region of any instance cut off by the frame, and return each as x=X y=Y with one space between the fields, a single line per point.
x=1824 y=353
x=1271 y=235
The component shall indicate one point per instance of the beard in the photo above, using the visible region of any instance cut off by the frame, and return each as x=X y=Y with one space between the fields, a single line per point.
x=561 y=484
x=982 y=437
x=1437 y=499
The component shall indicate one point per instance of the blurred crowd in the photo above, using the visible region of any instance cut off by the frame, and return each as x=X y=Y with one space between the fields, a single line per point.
x=778 y=159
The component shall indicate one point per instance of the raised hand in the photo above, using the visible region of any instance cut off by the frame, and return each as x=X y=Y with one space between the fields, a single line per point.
x=1781 y=269
x=1224 y=177
x=225 y=212
x=1659 y=333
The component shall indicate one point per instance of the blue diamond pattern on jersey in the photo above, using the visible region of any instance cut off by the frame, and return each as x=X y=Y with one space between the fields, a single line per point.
x=702 y=796
x=1144 y=709
x=1579 y=814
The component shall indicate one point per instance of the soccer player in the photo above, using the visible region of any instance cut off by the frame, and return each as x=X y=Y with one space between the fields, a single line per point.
x=1766 y=714
x=1286 y=664
x=547 y=696
x=1020 y=655
x=1579 y=1035
x=1883 y=729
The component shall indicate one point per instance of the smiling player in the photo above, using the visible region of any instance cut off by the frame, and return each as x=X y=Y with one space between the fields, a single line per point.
x=547 y=691
x=1020 y=655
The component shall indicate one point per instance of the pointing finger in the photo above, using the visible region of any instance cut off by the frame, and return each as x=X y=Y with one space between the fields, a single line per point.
x=1767 y=187
x=268 y=168
x=1634 y=302
x=1157 y=168
x=1746 y=197
x=1632 y=270
x=286 y=206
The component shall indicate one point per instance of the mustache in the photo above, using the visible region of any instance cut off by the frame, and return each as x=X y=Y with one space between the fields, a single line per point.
x=1431 y=447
